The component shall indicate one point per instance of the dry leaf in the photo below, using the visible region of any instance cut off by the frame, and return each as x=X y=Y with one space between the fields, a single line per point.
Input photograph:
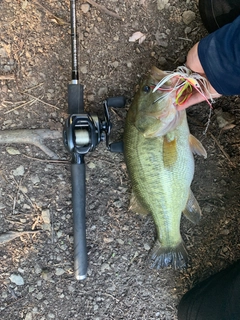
x=59 y=21
x=229 y=127
x=137 y=36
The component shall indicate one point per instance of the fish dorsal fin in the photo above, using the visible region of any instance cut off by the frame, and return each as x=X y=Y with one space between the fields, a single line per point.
x=192 y=210
x=135 y=206
x=197 y=147
x=169 y=150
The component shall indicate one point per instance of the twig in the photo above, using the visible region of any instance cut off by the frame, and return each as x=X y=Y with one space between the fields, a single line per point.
x=48 y=104
x=10 y=235
x=221 y=148
x=48 y=160
x=21 y=105
x=34 y=87
x=103 y=9
x=59 y=20
x=32 y=136
x=7 y=77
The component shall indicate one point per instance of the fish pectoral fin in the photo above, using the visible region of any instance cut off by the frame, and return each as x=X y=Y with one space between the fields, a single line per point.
x=169 y=151
x=192 y=210
x=197 y=147
x=135 y=206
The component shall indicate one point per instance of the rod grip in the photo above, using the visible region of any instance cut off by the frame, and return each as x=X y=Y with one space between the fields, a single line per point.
x=75 y=99
x=79 y=221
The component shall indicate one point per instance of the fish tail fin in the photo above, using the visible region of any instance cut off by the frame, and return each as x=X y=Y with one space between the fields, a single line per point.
x=161 y=257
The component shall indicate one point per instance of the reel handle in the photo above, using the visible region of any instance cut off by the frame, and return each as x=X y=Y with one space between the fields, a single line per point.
x=78 y=176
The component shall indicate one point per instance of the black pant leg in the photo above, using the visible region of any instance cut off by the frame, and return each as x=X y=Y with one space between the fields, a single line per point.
x=216 y=298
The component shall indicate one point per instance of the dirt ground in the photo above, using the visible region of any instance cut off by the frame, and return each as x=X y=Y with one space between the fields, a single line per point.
x=36 y=270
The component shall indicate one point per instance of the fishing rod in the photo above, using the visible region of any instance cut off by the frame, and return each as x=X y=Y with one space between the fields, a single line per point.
x=82 y=132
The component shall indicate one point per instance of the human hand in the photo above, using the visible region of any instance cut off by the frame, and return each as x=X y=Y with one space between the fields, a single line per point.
x=194 y=64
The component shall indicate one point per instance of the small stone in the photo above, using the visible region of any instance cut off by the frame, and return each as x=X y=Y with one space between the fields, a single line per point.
x=12 y=151
x=188 y=16
x=161 y=4
x=35 y=179
x=46 y=216
x=162 y=61
x=19 y=171
x=39 y=296
x=90 y=97
x=108 y=240
x=31 y=289
x=59 y=271
x=91 y=165
x=3 y=53
x=102 y=91
x=187 y=30
x=71 y=289
x=105 y=266
x=147 y=246
x=17 y=279
x=115 y=64
x=37 y=269
x=120 y=241
x=28 y=316
x=83 y=69
x=85 y=7
x=23 y=189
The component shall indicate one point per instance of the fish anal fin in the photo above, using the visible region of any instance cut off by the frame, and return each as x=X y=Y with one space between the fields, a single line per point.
x=161 y=257
x=192 y=210
x=135 y=206
x=169 y=151
x=197 y=147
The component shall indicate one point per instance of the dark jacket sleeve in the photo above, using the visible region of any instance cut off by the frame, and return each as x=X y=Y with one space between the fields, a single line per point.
x=219 y=54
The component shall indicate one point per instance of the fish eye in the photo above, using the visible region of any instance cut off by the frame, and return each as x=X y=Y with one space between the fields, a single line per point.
x=146 y=89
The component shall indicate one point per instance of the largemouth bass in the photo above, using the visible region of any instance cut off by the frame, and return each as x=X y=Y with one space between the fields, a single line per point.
x=158 y=150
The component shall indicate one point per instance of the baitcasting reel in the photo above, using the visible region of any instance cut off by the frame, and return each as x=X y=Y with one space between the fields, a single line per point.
x=83 y=132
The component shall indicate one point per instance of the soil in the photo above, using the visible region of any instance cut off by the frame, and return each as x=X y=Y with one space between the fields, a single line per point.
x=37 y=279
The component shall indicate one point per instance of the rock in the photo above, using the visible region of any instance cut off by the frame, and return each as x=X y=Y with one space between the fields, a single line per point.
x=188 y=16
x=91 y=165
x=35 y=179
x=161 y=4
x=85 y=7
x=105 y=266
x=120 y=241
x=19 y=171
x=46 y=216
x=102 y=91
x=17 y=279
x=39 y=296
x=12 y=151
x=83 y=69
x=147 y=246
x=37 y=269
x=59 y=271
x=115 y=64
x=29 y=316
